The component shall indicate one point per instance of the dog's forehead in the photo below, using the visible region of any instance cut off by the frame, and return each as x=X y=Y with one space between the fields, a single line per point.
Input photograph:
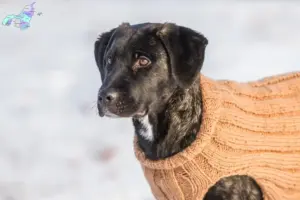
x=136 y=36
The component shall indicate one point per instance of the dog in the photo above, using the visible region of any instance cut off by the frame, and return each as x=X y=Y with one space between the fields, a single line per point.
x=150 y=73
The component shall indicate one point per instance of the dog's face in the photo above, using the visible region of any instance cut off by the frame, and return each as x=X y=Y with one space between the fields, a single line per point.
x=140 y=66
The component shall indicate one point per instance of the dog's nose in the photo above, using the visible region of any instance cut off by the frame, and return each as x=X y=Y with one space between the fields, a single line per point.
x=107 y=96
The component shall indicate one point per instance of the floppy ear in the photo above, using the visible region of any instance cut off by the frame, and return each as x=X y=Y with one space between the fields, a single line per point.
x=186 y=49
x=99 y=50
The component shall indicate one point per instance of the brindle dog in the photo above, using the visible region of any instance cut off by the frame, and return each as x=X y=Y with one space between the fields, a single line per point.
x=150 y=72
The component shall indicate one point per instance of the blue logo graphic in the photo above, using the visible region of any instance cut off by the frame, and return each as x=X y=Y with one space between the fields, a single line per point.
x=22 y=20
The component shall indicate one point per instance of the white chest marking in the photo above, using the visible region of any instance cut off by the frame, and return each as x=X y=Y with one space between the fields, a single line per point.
x=146 y=130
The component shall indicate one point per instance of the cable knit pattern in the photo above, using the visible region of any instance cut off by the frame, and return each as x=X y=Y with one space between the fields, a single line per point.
x=248 y=128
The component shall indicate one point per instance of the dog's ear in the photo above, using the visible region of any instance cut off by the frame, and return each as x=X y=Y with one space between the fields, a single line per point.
x=100 y=47
x=186 y=49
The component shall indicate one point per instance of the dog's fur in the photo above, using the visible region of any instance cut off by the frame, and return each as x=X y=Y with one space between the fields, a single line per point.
x=163 y=98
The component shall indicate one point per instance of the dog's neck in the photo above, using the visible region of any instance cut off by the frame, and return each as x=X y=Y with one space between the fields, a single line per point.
x=166 y=132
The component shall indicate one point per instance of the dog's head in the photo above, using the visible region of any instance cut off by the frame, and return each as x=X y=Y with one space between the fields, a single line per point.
x=141 y=65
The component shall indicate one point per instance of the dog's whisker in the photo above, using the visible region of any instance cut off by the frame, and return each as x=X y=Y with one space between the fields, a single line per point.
x=94 y=105
x=94 y=108
x=89 y=108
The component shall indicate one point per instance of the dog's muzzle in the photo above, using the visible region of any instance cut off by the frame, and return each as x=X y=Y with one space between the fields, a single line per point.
x=106 y=100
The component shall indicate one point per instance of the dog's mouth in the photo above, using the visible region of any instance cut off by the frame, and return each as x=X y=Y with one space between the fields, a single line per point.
x=107 y=113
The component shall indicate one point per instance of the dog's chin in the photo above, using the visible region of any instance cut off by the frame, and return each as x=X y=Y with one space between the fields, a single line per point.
x=107 y=113
x=111 y=115
x=138 y=114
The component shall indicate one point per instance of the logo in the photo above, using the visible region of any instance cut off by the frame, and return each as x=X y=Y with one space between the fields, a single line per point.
x=22 y=20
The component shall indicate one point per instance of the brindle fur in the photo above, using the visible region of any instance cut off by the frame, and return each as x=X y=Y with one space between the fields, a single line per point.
x=238 y=187
x=171 y=135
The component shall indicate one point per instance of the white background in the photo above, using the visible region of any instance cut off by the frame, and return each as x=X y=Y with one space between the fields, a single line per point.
x=52 y=143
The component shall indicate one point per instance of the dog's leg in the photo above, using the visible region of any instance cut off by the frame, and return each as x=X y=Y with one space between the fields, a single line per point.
x=237 y=187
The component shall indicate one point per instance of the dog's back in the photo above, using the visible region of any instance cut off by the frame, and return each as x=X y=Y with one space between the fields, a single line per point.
x=247 y=128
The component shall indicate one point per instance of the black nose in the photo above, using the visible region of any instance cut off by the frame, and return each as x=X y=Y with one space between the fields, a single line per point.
x=107 y=97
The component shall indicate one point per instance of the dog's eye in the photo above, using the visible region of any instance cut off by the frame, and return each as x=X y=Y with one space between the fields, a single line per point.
x=141 y=60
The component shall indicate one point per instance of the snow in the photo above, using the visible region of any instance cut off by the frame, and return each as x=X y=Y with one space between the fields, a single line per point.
x=53 y=146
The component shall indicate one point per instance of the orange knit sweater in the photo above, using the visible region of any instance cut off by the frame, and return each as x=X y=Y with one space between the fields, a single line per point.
x=248 y=128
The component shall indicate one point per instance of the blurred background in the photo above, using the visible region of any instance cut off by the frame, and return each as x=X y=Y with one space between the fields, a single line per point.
x=53 y=146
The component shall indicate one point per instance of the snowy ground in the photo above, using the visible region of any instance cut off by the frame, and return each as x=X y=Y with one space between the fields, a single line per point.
x=52 y=144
